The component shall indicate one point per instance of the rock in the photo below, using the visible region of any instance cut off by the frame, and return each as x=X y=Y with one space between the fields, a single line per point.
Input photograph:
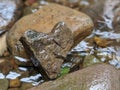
x=3 y=44
x=116 y=20
x=102 y=42
x=5 y=66
x=14 y=83
x=4 y=84
x=14 y=89
x=93 y=9
x=26 y=86
x=96 y=77
x=10 y=11
x=30 y=2
x=44 y=20
x=48 y=49
x=90 y=60
x=69 y=3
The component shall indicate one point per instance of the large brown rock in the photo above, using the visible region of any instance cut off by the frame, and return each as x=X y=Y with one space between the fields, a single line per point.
x=96 y=77
x=44 y=20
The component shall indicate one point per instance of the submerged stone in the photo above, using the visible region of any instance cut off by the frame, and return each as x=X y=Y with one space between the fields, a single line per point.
x=90 y=60
x=47 y=51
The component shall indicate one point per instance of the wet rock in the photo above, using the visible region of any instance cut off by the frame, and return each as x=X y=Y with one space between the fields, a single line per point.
x=26 y=86
x=93 y=8
x=102 y=42
x=69 y=3
x=30 y=2
x=10 y=11
x=23 y=73
x=116 y=20
x=96 y=77
x=3 y=44
x=32 y=7
x=14 y=83
x=5 y=66
x=4 y=84
x=48 y=49
x=78 y=22
x=90 y=60
x=14 y=89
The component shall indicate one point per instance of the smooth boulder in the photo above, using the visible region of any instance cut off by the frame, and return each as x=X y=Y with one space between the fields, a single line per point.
x=96 y=77
x=44 y=20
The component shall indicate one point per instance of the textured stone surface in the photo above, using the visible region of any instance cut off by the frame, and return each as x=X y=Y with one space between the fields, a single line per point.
x=44 y=20
x=48 y=50
x=96 y=77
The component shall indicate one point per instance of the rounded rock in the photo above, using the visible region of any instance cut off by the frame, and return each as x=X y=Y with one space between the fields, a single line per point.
x=44 y=20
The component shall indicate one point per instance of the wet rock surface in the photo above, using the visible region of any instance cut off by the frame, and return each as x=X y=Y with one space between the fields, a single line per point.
x=99 y=76
x=90 y=60
x=4 y=83
x=5 y=66
x=14 y=83
x=3 y=43
x=49 y=49
x=79 y=23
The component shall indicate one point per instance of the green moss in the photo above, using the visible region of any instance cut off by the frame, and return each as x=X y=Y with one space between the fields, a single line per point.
x=64 y=71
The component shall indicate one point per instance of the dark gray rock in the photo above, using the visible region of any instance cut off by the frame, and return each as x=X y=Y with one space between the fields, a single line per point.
x=49 y=49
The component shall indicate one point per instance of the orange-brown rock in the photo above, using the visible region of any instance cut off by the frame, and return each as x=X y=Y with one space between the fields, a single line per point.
x=44 y=20
x=14 y=83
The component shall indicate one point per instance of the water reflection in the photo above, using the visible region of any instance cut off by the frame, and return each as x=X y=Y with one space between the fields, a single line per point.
x=12 y=75
x=2 y=76
x=33 y=79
